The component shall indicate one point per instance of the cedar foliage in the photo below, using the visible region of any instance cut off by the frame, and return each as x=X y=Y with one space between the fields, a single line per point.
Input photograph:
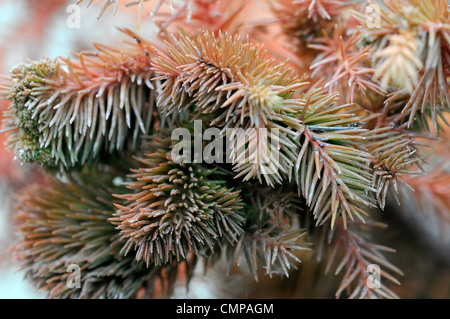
x=340 y=140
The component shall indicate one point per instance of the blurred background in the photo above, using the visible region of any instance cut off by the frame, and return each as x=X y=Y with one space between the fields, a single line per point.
x=418 y=229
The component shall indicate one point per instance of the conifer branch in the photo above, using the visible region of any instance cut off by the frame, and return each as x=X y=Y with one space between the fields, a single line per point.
x=357 y=254
x=332 y=169
x=67 y=113
x=242 y=88
x=399 y=62
x=336 y=148
x=187 y=9
x=175 y=210
x=395 y=154
x=108 y=3
x=66 y=223
x=345 y=66
x=305 y=20
x=420 y=32
x=324 y=135
x=272 y=238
